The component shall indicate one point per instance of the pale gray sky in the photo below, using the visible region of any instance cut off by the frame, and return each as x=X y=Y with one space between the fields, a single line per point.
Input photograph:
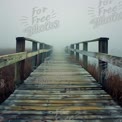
x=74 y=22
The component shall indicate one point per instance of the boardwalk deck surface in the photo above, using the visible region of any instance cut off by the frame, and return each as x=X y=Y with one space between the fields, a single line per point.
x=59 y=90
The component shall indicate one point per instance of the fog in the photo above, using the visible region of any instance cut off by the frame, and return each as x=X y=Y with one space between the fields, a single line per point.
x=71 y=22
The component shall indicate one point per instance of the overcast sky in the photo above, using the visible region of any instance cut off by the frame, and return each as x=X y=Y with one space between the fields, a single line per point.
x=76 y=19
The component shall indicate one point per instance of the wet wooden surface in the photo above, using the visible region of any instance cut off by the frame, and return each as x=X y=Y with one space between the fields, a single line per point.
x=59 y=90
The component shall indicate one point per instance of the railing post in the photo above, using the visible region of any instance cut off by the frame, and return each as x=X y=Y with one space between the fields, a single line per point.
x=103 y=48
x=41 y=55
x=45 y=53
x=72 y=52
x=51 y=51
x=85 y=58
x=48 y=53
x=34 y=59
x=19 y=67
x=77 y=54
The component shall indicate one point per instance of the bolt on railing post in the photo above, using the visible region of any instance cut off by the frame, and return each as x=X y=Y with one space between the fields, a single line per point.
x=34 y=59
x=19 y=66
x=85 y=58
x=77 y=54
x=103 y=48
x=72 y=52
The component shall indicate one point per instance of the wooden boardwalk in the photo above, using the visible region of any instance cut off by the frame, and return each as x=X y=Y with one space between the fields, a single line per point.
x=60 y=90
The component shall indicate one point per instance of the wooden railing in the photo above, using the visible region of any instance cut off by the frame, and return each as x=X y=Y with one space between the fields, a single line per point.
x=102 y=56
x=19 y=57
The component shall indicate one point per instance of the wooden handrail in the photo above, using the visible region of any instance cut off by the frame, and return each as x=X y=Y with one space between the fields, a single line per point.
x=6 y=60
x=31 y=40
x=19 y=57
x=93 y=40
x=102 y=56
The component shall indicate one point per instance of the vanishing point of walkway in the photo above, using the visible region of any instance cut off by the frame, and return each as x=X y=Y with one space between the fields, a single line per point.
x=59 y=90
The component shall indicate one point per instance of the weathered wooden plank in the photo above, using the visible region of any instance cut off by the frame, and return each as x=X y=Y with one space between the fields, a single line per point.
x=88 y=92
x=47 y=83
x=58 y=103
x=61 y=89
x=65 y=97
x=47 y=120
x=60 y=86
x=62 y=96
x=59 y=108
x=63 y=112
x=61 y=78
x=64 y=117
x=57 y=73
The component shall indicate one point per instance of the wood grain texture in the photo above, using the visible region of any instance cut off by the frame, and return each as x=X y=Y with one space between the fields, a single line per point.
x=59 y=91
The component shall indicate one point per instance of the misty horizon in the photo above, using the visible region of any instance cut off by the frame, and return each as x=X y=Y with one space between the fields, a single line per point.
x=61 y=23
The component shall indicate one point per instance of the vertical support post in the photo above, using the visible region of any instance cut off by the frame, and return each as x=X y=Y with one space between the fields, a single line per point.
x=48 y=53
x=40 y=55
x=45 y=53
x=72 y=52
x=19 y=66
x=34 y=60
x=103 y=48
x=77 y=54
x=85 y=58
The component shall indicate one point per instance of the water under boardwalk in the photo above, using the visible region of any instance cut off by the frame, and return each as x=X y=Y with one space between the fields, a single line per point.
x=60 y=90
